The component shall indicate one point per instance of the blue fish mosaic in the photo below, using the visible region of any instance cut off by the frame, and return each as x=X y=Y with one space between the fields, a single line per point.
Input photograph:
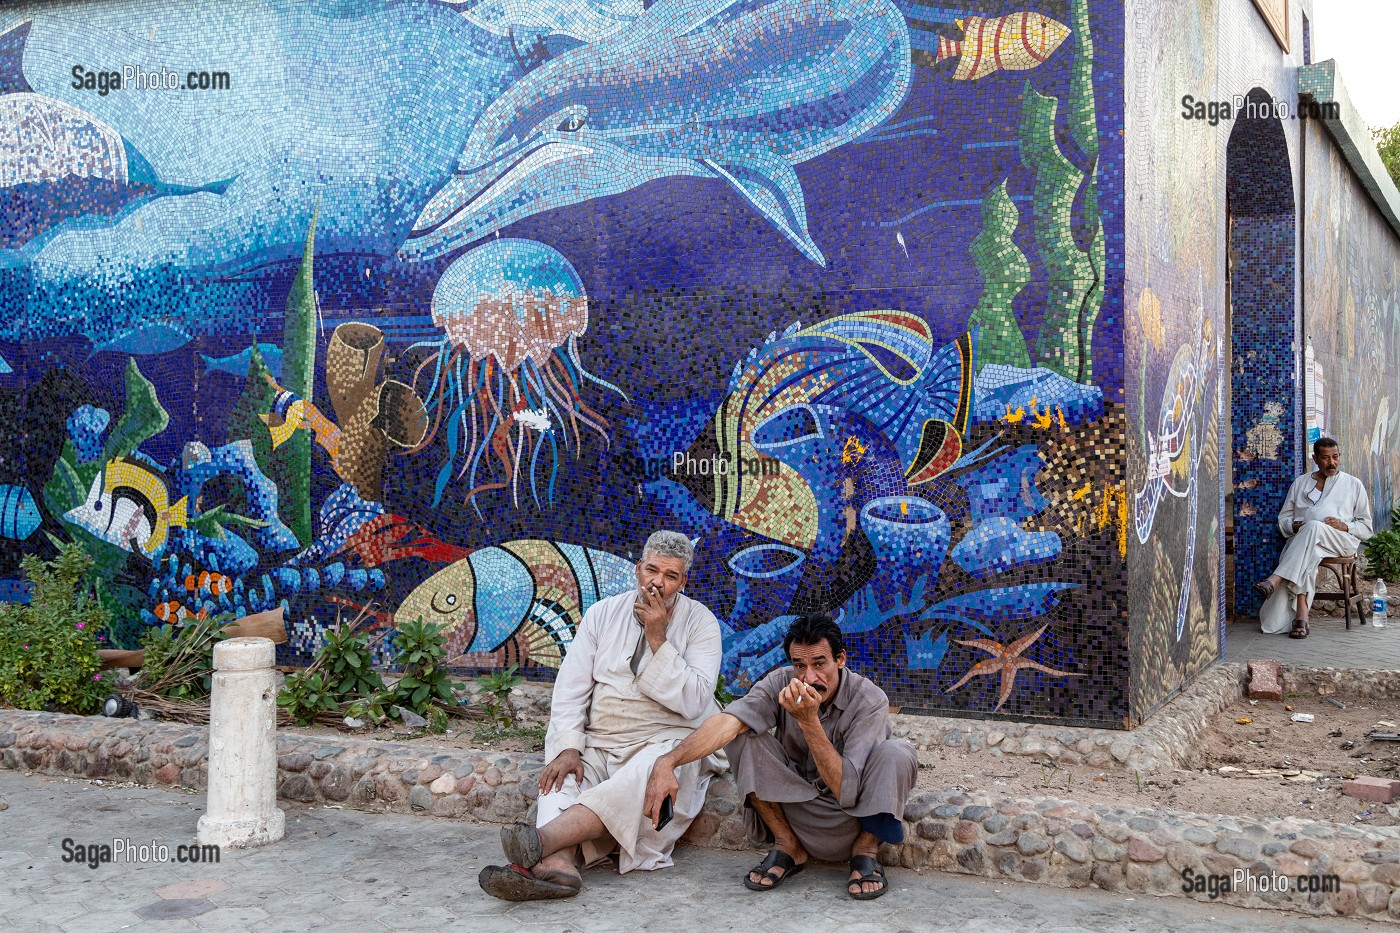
x=238 y=363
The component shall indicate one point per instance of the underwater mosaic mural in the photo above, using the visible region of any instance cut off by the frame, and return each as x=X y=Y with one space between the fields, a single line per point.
x=437 y=309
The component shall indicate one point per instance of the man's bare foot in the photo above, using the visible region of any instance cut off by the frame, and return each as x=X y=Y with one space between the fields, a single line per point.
x=780 y=864
x=559 y=868
x=568 y=878
x=868 y=846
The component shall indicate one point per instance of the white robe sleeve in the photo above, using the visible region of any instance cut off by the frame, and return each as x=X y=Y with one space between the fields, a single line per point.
x=573 y=691
x=1360 y=525
x=1285 y=515
x=686 y=683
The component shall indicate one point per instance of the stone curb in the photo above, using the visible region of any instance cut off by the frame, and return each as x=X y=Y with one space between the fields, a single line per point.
x=1329 y=681
x=1042 y=840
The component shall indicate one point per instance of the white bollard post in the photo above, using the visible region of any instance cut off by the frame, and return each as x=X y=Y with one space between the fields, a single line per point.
x=241 y=806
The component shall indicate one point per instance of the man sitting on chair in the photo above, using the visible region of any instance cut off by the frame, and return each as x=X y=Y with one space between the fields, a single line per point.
x=1326 y=514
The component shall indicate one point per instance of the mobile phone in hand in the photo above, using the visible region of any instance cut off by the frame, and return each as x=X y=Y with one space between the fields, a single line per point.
x=668 y=810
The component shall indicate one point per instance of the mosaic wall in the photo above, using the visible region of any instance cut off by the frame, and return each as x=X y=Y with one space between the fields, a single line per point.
x=440 y=308
x=1205 y=388
x=1174 y=356
x=1351 y=288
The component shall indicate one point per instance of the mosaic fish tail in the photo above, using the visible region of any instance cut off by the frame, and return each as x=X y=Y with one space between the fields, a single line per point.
x=948 y=384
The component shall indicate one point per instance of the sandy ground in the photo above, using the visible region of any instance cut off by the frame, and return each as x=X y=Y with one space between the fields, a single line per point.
x=1299 y=766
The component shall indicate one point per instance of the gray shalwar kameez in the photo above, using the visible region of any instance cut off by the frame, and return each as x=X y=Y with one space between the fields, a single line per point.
x=877 y=772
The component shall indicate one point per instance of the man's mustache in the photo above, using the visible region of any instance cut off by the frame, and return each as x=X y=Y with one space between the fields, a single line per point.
x=665 y=601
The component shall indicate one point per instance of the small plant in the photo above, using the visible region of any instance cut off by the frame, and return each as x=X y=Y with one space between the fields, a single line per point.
x=348 y=663
x=532 y=736
x=1137 y=775
x=305 y=696
x=342 y=675
x=495 y=695
x=48 y=649
x=420 y=648
x=1383 y=550
x=722 y=694
x=179 y=660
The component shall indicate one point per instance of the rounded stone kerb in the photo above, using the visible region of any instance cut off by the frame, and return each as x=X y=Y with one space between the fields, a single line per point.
x=244 y=654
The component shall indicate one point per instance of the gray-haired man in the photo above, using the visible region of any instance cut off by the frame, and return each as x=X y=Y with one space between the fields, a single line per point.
x=638 y=677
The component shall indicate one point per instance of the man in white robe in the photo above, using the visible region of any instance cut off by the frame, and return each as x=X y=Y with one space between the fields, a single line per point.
x=638 y=677
x=1326 y=514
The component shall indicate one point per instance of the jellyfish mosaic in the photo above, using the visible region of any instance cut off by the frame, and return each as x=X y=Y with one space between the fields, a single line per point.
x=504 y=382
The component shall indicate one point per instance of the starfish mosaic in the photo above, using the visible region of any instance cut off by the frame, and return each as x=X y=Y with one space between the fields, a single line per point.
x=1006 y=660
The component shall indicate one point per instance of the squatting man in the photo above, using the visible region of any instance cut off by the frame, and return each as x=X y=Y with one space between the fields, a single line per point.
x=827 y=782
x=1326 y=514
x=638 y=677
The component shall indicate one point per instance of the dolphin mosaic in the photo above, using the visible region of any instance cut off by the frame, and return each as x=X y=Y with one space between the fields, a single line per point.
x=585 y=20
x=739 y=91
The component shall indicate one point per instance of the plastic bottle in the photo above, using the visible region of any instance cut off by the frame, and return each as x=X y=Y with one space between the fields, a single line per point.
x=1378 y=614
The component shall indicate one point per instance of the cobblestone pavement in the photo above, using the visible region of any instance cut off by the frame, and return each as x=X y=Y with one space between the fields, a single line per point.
x=345 y=869
x=1329 y=644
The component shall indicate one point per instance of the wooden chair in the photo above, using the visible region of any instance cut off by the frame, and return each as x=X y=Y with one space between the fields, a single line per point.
x=1348 y=576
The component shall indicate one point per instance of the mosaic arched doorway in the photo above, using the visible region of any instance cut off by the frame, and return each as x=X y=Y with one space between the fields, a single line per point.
x=1261 y=263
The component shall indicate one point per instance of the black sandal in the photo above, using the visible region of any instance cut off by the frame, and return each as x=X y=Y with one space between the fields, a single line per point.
x=774 y=859
x=1300 y=629
x=870 y=870
x=1264 y=588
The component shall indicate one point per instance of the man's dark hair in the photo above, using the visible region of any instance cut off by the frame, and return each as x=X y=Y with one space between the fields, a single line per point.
x=811 y=630
x=1321 y=444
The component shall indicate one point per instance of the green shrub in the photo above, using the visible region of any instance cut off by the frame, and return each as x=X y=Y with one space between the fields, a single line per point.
x=1383 y=550
x=48 y=649
x=349 y=664
x=723 y=695
x=419 y=649
x=495 y=695
x=342 y=680
x=179 y=660
x=306 y=695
